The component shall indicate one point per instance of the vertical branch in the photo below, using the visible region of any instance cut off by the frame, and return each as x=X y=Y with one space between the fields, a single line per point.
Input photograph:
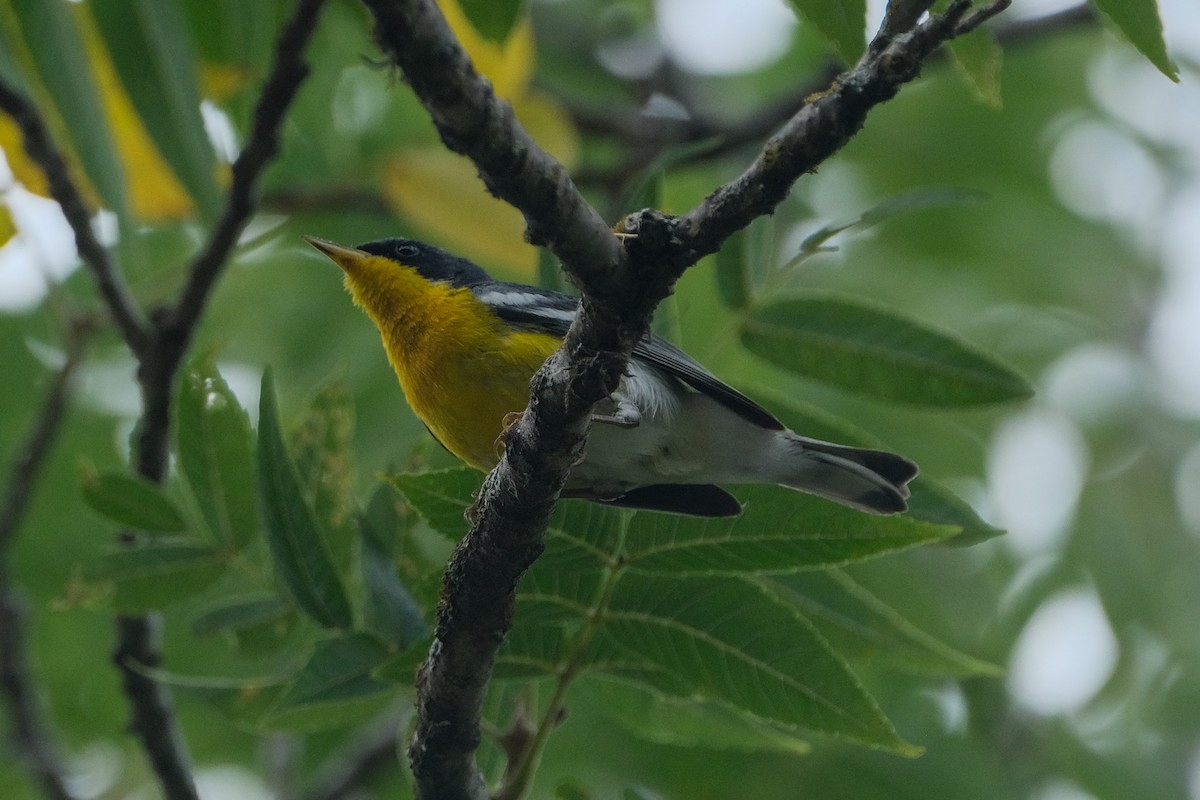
x=159 y=346
x=30 y=732
x=138 y=637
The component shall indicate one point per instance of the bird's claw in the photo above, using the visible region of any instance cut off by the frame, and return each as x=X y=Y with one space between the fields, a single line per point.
x=510 y=419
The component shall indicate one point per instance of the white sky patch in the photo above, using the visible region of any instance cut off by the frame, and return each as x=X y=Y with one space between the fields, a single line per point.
x=359 y=101
x=952 y=707
x=109 y=386
x=1194 y=776
x=1065 y=654
x=1130 y=188
x=245 y=382
x=1094 y=382
x=634 y=56
x=94 y=770
x=716 y=37
x=1173 y=341
x=42 y=253
x=1060 y=789
x=1131 y=90
x=1036 y=467
x=1187 y=488
x=223 y=782
x=221 y=131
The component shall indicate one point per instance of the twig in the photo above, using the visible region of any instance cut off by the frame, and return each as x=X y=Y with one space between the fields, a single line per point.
x=633 y=129
x=287 y=73
x=819 y=130
x=620 y=287
x=41 y=149
x=30 y=732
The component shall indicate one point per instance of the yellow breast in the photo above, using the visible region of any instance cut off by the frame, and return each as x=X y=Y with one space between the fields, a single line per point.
x=462 y=369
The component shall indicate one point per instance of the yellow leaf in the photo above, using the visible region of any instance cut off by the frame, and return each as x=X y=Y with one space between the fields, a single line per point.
x=509 y=66
x=550 y=125
x=220 y=82
x=29 y=174
x=155 y=194
x=441 y=194
x=8 y=228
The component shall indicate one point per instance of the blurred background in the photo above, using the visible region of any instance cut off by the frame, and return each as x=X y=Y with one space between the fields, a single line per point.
x=1044 y=206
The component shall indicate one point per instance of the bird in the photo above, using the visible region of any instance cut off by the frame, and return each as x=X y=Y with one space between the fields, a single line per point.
x=464 y=347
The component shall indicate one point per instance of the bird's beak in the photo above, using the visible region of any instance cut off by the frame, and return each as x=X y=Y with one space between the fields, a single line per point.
x=345 y=257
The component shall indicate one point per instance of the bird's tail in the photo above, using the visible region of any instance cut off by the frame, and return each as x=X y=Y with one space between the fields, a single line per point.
x=870 y=480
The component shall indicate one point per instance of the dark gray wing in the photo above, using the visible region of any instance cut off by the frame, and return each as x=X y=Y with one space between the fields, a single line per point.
x=552 y=312
x=669 y=358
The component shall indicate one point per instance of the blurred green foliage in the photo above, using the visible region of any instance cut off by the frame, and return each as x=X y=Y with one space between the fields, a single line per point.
x=943 y=211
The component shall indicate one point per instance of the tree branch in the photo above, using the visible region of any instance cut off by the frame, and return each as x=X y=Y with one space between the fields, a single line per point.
x=30 y=732
x=138 y=638
x=621 y=287
x=42 y=151
x=287 y=73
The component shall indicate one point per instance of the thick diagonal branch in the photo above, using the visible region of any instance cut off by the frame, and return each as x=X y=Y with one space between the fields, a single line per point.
x=621 y=287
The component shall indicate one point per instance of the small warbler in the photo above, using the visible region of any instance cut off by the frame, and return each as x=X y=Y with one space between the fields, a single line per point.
x=465 y=346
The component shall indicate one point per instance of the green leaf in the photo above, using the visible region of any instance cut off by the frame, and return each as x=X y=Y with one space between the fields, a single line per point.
x=155 y=575
x=864 y=629
x=1139 y=21
x=216 y=454
x=730 y=641
x=935 y=503
x=233 y=32
x=842 y=23
x=150 y=49
x=339 y=669
x=390 y=610
x=9 y=71
x=689 y=723
x=494 y=19
x=52 y=39
x=335 y=686
x=778 y=531
x=441 y=497
x=132 y=500
x=979 y=56
x=236 y=614
x=402 y=669
x=872 y=350
x=417 y=558
x=905 y=203
x=733 y=277
x=297 y=546
x=324 y=459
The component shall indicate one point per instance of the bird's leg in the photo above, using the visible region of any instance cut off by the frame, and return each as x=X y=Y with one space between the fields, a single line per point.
x=625 y=415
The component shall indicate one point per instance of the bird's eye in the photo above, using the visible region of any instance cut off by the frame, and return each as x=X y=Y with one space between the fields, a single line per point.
x=407 y=251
